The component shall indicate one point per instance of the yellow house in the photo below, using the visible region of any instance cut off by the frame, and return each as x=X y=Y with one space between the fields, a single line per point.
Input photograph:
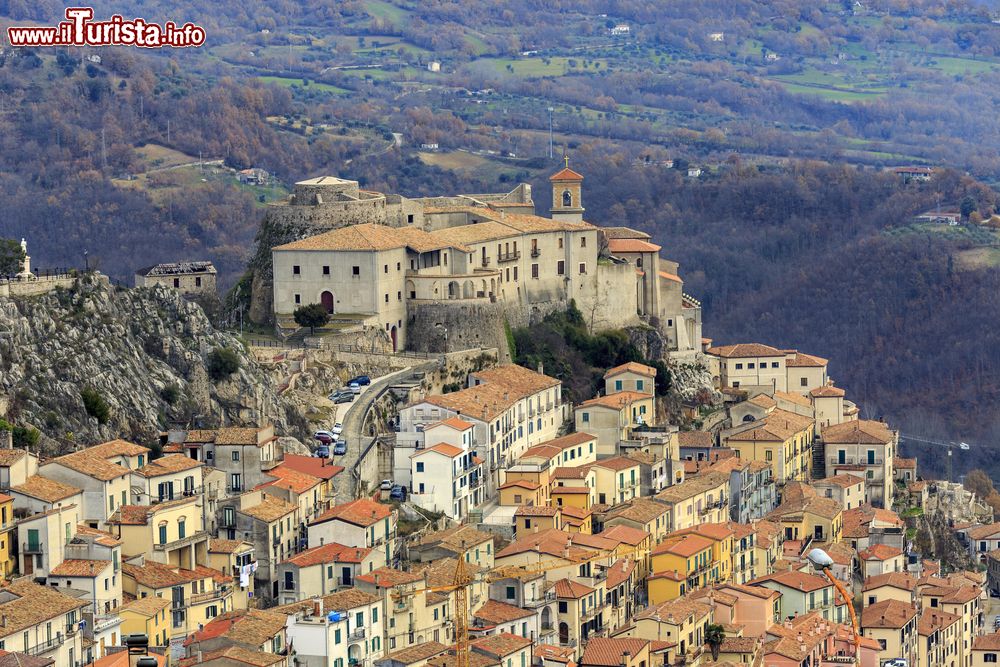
x=616 y=479
x=647 y=514
x=521 y=492
x=893 y=624
x=321 y=468
x=783 y=439
x=149 y=616
x=722 y=537
x=171 y=532
x=197 y=595
x=686 y=561
x=576 y=520
x=986 y=650
x=611 y=417
x=581 y=610
x=231 y=557
x=633 y=543
x=701 y=499
x=940 y=637
x=568 y=494
x=7 y=554
x=631 y=376
x=767 y=546
x=963 y=601
x=802 y=514
x=682 y=621
x=532 y=519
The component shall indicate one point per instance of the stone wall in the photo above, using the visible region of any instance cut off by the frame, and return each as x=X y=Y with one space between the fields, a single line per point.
x=450 y=326
x=42 y=285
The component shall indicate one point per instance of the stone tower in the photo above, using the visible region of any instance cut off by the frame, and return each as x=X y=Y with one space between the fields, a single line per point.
x=567 y=201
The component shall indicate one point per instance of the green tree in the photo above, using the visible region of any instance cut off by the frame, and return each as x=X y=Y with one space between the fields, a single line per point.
x=714 y=636
x=312 y=316
x=222 y=362
x=24 y=437
x=95 y=405
x=967 y=207
x=11 y=257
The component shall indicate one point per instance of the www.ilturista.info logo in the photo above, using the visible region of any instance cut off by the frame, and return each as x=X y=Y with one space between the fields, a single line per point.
x=80 y=30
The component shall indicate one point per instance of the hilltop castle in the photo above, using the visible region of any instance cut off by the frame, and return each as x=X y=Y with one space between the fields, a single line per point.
x=443 y=273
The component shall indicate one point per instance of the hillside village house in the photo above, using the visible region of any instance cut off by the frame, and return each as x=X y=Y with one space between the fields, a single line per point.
x=243 y=454
x=848 y=490
x=866 y=448
x=631 y=376
x=805 y=592
x=16 y=466
x=893 y=625
x=475 y=249
x=681 y=622
x=236 y=559
x=171 y=532
x=168 y=477
x=271 y=524
x=149 y=616
x=783 y=439
x=613 y=416
x=106 y=485
x=362 y=523
x=322 y=570
x=447 y=479
x=753 y=366
x=338 y=629
x=43 y=536
x=510 y=407
x=42 y=622
x=701 y=499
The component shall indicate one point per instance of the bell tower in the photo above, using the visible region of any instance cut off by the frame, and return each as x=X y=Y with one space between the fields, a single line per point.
x=567 y=201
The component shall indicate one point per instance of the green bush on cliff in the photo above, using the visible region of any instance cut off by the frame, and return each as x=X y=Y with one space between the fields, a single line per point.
x=222 y=362
x=23 y=436
x=95 y=405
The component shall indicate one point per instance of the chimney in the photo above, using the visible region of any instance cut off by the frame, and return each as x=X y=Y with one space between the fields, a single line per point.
x=318 y=606
x=200 y=659
x=376 y=578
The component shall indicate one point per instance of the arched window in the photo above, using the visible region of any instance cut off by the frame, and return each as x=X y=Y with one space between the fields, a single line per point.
x=567 y=198
x=749 y=418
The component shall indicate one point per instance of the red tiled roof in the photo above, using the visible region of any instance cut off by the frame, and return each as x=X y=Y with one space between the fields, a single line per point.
x=495 y=612
x=567 y=588
x=360 y=512
x=608 y=652
x=631 y=367
x=879 y=552
x=329 y=553
x=311 y=465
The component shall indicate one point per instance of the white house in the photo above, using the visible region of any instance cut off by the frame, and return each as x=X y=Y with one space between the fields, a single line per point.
x=360 y=523
x=447 y=479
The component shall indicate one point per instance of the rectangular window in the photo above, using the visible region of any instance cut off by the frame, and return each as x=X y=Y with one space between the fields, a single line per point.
x=197 y=281
x=177 y=282
x=326 y=270
x=236 y=455
x=386 y=270
x=739 y=367
x=298 y=299
x=618 y=385
x=639 y=385
x=296 y=270
x=560 y=268
x=774 y=364
x=583 y=241
x=356 y=270
x=750 y=365
x=420 y=466
x=583 y=268
x=767 y=455
x=586 y=417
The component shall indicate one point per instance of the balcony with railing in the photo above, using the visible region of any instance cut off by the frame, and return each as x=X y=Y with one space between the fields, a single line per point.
x=593 y=611
x=546 y=598
x=356 y=634
x=47 y=645
x=32 y=547
x=207 y=596
x=510 y=256
x=181 y=542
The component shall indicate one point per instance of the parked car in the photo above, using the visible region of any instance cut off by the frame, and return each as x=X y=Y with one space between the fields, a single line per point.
x=322 y=452
x=342 y=396
x=398 y=493
x=337 y=428
x=354 y=387
x=325 y=439
x=963 y=445
x=361 y=380
x=386 y=485
x=324 y=434
x=340 y=448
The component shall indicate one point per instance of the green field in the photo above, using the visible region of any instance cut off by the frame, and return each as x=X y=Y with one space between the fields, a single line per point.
x=386 y=11
x=285 y=81
x=539 y=67
x=832 y=94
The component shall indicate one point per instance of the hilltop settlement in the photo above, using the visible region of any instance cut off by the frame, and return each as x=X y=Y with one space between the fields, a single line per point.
x=457 y=510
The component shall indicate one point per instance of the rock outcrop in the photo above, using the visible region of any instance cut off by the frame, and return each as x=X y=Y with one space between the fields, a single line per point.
x=142 y=352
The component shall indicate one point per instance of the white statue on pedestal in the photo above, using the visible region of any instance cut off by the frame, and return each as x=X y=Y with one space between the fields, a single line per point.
x=25 y=273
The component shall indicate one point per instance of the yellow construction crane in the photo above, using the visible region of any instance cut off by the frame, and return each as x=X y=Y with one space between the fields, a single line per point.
x=463 y=579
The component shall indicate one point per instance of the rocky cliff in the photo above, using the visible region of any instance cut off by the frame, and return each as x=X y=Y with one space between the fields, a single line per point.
x=140 y=352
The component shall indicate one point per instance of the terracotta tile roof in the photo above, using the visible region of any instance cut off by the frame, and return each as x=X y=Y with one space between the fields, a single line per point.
x=233 y=653
x=240 y=435
x=827 y=392
x=311 y=465
x=792 y=397
x=617 y=401
x=801 y=359
x=675 y=612
x=801 y=581
x=443 y=448
x=34 y=605
x=495 y=613
x=415 y=653
x=763 y=401
x=566 y=174
x=828 y=508
x=105 y=539
x=217 y=546
x=989 y=642
x=900 y=462
x=456 y=423
x=683 y=545
x=76 y=567
x=501 y=645
x=369 y=236
x=474 y=659
x=269 y=509
x=556 y=542
x=984 y=532
x=616 y=463
x=879 y=552
x=778 y=426
x=859 y=431
x=625 y=534
x=695 y=439
x=117 y=448
x=387 y=577
x=292 y=480
x=520 y=483
x=139 y=515
x=569 y=589
x=253 y=627
x=745 y=350
x=9 y=457
x=677 y=279
x=639 y=510
x=87 y=464
x=554 y=653
x=690 y=488
x=441 y=572
x=457 y=539
x=349 y=598
x=45 y=489
x=572 y=490
x=501 y=388
x=168 y=465
x=932 y=620
x=566 y=441
x=331 y=552
x=631 y=367
x=608 y=652
x=887 y=614
x=713 y=531
x=843 y=480
x=361 y=512
x=576 y=515
x=536 y=510
x=574 y=472
x=631 y=245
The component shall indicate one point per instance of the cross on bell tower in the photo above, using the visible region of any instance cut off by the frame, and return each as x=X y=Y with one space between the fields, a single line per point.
x=567 y=201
